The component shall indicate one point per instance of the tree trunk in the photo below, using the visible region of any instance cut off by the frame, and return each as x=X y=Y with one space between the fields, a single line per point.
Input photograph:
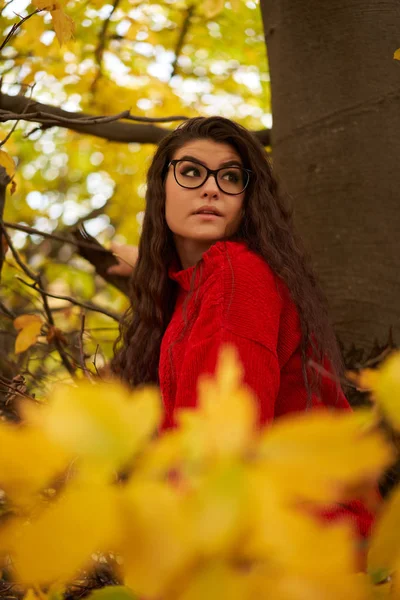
x=336 y=148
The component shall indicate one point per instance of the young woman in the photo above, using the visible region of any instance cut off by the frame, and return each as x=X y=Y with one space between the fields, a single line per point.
x=219 y=262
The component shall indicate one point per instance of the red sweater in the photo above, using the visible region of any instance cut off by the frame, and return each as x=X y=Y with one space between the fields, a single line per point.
x=236 y=298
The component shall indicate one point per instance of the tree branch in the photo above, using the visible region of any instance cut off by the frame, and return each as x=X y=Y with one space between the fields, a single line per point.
x=87 y=305
x=53 y=236
x=109 y=128
x=182 y=36
x=98 y=53
x=16 y=26
x=4 y=181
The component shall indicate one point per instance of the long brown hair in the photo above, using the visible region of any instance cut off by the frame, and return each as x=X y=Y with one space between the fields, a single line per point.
x=267 y=229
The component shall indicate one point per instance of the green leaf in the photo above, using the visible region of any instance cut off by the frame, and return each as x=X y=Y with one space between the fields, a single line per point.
x=113 y=592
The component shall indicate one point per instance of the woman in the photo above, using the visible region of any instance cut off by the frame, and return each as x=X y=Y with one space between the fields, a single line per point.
x=219 y=262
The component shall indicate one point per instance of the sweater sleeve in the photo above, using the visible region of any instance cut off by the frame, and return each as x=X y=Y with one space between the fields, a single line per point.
x=260 y=365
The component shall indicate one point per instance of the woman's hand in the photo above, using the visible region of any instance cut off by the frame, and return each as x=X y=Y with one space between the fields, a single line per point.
x=127 y=257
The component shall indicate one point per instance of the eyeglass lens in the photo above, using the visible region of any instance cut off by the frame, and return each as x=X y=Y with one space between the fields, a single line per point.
x=232 y=180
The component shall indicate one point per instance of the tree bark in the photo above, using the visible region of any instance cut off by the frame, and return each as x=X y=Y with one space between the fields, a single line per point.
x=336 y=146
x=116 y=131
x=4 y=181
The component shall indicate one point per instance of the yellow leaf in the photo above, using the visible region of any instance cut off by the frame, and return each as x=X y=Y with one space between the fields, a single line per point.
x=30 y=327
x=28 y=461
x=215 y=581
x=7 y=162
x=386 y=388
x=384 y=549
x=396 y=55
x=212 y=8
x=235 y=4
x=158 y=545
x=103 y=423
x=289 y=538
x=46 y=4
x=225 y=421
x=62 y=539
x=315 y=456
x=63 y=26
x=24 y=320
x=218 y=508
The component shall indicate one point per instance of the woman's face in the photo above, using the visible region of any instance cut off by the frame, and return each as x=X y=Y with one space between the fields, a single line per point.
x=182 y=204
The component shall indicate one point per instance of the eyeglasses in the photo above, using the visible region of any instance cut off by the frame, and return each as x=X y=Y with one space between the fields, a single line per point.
x=191 y=175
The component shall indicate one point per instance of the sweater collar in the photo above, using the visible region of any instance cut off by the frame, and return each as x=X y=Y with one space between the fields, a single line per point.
x=211 y=260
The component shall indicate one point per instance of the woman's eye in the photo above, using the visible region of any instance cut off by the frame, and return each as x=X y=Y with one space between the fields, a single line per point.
x=191 y=172
x=231 y=176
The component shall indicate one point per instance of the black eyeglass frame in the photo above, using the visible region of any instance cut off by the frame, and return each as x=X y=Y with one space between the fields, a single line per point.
x=213 y=172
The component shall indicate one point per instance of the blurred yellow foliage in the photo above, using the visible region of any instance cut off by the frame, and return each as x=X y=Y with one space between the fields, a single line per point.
x=215 y=508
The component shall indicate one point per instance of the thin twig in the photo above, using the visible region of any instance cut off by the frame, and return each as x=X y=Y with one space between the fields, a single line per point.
x=8 y=384
x=6 y=311
x=322 y=371
x=94 y=361
x=16 y=26
x=81 y=348
x=54 y=236
x=13 y=128
x=57 y=342
x=88 y=306
x=16 y=255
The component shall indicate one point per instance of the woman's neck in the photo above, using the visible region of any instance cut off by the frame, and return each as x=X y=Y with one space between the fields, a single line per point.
x=191 y=251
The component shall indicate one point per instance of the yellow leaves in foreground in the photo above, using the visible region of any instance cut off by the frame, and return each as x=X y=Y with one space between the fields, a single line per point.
x=63 y=24
x=336 y=446
x=396 y=55
x=384 y=385
x=61 y=540
x=28 y=461
x=104 y=425
x=213 y=509
x=29 y=327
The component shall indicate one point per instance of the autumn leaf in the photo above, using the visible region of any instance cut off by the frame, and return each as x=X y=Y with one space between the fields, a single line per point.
x=158 y=545
x=29 y=327
x=384 y=551
x=212 y=8
x=104 y=423
x=384 y=384
x=63 y=26
x=29 y=464
x=396 y=55
x=46 y=4
x=316 y=456
x=7 y=162
x=61 y=540
x=225 y=420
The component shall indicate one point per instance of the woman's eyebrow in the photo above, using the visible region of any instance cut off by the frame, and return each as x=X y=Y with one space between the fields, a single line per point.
x=229 y=163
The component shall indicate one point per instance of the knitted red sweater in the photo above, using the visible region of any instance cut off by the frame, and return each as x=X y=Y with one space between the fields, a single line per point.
x=233 y=296
x=236 y=298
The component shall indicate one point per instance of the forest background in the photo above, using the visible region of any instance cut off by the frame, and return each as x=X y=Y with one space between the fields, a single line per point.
x=88 y=88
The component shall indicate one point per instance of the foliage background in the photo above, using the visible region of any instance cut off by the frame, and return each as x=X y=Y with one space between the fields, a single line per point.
x=156 y=59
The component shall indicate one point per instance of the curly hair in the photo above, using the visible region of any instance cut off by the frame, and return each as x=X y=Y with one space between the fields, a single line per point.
x=266 y=227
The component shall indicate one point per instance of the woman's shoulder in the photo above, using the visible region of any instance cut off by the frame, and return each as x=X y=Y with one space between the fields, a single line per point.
x=249 y=268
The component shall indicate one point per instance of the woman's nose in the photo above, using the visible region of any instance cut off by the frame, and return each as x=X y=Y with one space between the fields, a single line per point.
x=210 y=188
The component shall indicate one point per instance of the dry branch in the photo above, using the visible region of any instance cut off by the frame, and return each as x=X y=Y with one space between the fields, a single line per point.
x=111 y=128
